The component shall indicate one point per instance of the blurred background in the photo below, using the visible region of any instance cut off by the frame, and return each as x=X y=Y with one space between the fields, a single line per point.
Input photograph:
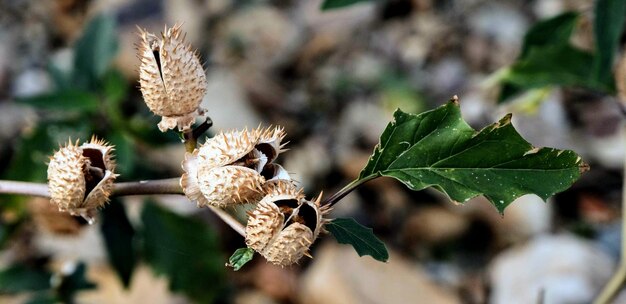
x=332 y=78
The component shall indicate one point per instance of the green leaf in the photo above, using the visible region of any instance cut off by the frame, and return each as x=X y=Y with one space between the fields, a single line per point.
x=94 y=51
x=607 y=28
x=119 y=240
x=65 y=100
x=20 y=278
x=185 y=250
x=439 y=149
x=553 y=31
x=553 y=65
x=240 y=258
x=334 y=4
x=349 y=231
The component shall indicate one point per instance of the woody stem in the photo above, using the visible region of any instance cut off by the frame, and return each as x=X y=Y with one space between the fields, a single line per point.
x=148 y=187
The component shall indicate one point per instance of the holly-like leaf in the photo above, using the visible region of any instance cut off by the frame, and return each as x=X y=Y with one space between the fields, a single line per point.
x=349 y=231
x=439 y=149
x=240 y=258
x=334 y=4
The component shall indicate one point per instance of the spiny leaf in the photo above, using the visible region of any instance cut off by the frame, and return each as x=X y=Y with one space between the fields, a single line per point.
x=349 y=231
x=439 y=149
x=240 y=258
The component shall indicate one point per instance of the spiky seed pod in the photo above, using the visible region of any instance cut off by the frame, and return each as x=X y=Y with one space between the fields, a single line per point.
x=80 y=178
x=270 y=142
x=266 y=221
x=231 y=167
x=283 y=226
x=290 y=246
x=171 y=78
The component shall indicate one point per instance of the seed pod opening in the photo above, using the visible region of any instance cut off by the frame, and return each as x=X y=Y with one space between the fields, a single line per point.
x=301 y=222
x=171 y=78
x=80 y=178
x=231 y=167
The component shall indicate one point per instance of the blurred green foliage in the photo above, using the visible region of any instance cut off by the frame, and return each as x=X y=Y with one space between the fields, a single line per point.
x=548 y=58
x=44 y=286
x=185 y=250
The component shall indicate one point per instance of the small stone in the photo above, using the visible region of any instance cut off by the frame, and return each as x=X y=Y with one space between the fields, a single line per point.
x=565 y=268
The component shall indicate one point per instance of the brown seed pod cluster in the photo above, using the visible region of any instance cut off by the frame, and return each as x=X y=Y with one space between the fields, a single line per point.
x=237 y=167
x=80 y=178
x=232 y=168
x=171 y=78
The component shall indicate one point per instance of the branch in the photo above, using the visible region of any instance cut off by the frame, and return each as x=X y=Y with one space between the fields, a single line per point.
x=229 y=220
x=160 y=186
x=24 y=188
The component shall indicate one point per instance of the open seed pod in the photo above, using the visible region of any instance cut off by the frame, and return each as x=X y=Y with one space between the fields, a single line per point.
x=284 y=224
x=231 y=167
x=171 y=78
x=80 y=178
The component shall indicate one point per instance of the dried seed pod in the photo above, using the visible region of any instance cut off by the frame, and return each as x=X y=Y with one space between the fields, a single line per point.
x=266 y=221
x=284 y=225
x=80 y=178
x=171 y=78
x=231 y=167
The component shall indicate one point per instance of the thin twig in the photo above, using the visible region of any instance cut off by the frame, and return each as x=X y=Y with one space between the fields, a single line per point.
x=332 y=200
x=229 y=220
x=617 y=281
x=161 y=186
x=24 y=188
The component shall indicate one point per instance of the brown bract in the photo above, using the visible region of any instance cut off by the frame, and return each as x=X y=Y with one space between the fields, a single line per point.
x=171 y=78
